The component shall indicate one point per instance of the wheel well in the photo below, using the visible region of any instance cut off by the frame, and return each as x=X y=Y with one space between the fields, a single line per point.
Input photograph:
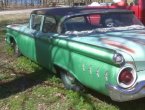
x=70 y=82
x=12 y=40
x=58 y=69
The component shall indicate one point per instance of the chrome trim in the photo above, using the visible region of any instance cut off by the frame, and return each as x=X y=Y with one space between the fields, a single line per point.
x=120 y=94
x=122 y=62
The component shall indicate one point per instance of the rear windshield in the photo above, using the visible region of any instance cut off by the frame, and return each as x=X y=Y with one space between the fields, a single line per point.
x=101 y=22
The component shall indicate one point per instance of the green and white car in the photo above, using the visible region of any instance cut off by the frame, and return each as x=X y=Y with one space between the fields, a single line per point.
x=102 y=49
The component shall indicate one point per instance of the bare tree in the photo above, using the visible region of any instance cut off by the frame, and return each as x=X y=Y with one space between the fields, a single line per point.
x=10 y=3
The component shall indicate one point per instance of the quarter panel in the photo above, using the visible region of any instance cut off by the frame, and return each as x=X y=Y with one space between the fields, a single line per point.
x=88 y=70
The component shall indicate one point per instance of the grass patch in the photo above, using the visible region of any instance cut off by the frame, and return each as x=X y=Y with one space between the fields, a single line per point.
x=25 y=65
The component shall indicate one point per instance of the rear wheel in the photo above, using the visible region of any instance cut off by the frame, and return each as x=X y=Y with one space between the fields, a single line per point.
x=70 y=82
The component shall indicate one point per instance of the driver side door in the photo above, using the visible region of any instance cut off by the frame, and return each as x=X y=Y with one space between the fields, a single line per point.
x=27 y=39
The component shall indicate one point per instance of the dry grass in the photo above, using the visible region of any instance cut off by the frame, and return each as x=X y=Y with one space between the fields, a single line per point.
x=13 y=18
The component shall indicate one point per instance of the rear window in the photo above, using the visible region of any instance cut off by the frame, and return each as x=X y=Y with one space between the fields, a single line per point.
x=100 y=21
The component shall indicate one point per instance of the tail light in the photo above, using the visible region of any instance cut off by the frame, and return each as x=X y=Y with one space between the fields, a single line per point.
x=127 y=77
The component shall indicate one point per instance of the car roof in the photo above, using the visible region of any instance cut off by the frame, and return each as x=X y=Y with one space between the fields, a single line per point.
x=66 y=11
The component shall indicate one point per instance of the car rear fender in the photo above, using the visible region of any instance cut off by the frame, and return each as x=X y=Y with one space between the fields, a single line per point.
x=85 y=66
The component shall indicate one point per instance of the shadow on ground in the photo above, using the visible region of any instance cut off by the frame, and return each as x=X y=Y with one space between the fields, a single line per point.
x=138 y=104
x=27 y=81
x=23 y=82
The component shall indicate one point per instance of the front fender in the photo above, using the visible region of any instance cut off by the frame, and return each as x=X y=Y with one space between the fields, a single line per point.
x=9 y=38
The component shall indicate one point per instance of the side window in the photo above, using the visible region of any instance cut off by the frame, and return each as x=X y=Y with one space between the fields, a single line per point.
x=36 y=22
x=74 y=24
x=133 y=2
x=94 y=19
x=49 y=24
x=136 y=2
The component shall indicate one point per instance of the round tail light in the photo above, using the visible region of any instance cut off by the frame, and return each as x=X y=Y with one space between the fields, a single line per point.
x=127 y=77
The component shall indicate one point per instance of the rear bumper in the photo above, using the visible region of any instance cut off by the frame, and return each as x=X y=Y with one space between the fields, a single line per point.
x=120 y=95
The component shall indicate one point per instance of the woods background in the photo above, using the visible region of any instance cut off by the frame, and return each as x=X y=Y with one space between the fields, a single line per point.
x=20 y=4
x=6 y=4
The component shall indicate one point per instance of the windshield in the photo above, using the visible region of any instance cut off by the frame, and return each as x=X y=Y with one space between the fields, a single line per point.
x=101 y=23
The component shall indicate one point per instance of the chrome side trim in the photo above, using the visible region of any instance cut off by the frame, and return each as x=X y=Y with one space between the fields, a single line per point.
x=120 y=94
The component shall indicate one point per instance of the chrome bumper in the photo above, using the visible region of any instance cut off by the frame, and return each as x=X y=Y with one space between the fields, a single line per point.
x=119 y=94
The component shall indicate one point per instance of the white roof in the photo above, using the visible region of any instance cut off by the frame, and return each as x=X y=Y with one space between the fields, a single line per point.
x=116 y=1
x=94 y=4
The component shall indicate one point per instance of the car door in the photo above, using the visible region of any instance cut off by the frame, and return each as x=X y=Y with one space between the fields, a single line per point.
x=27 y=42
x=44 y=40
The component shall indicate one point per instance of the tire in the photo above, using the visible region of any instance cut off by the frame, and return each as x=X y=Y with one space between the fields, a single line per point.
x=15 y=47
x=70 y=82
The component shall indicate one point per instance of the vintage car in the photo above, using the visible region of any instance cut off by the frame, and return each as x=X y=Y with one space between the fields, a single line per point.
x=102 y=49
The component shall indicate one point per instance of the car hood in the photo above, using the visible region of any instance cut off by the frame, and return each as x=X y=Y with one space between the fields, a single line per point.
x=131 y=44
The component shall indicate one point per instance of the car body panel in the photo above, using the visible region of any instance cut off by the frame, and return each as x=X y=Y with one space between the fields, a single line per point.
x=38 y=49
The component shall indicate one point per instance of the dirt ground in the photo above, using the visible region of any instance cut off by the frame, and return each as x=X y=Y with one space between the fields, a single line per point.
x=5 y=60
